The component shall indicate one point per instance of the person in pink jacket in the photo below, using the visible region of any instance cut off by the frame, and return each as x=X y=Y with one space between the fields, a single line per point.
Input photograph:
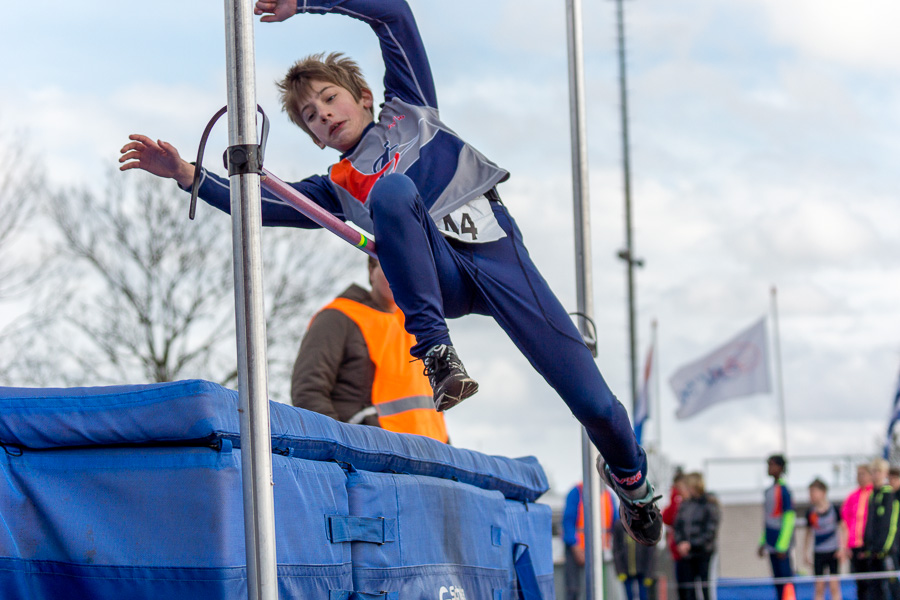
x=853 y=519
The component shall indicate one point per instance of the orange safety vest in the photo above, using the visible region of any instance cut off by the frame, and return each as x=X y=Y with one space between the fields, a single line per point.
x=606 y=500
x=401 y=394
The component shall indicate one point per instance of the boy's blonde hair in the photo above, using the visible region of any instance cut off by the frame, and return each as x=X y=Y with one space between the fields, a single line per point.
x=695 y=483
x=881 y=465
x=334 y=68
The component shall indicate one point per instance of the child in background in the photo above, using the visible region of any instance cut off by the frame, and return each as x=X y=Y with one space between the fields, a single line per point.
x=881 y=532
x=778 y=525
x=824 y=539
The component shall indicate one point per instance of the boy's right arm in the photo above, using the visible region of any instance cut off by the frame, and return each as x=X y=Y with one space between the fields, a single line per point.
x=215 y=191
x=159 y=158
x=163 y=160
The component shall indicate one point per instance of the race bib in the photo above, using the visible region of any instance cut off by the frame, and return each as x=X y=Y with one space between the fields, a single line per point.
x=473 y=223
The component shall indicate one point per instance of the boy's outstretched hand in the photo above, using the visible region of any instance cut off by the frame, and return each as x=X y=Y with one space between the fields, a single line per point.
x=159 y=157
x=275 y=10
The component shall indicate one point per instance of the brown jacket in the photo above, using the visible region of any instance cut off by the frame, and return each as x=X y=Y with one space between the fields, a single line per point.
x=333 y=373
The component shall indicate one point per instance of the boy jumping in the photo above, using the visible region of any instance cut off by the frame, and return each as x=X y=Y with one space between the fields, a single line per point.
x=447 y=244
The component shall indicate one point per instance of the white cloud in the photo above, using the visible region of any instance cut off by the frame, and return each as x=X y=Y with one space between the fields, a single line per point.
x=859 y=34
x=805 y=230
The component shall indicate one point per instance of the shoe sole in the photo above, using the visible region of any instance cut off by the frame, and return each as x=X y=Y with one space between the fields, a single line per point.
x=601 y=470
x=467 y=389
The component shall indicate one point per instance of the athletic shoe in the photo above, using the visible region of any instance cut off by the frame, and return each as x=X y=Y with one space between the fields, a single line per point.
x=449 y=380
x=640 y=517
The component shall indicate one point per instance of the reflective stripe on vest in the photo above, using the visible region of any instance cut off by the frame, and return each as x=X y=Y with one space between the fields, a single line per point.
x=401 y=393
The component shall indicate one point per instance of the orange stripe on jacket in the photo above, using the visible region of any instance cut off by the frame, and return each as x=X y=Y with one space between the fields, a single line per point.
x=357 y=183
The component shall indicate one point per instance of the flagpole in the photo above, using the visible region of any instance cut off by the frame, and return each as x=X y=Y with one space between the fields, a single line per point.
x=657 y=408
x=779 y=381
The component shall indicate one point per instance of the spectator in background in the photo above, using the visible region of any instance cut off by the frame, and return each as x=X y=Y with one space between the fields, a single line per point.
x=354 y=364
x=573 y=537
x=894 y=478
x=676 y=495
x=778 y=527
x=635 y=563
x=696 y=528
x=881 y=531
x=853 y=520
x=824 y=539
x=894 y=481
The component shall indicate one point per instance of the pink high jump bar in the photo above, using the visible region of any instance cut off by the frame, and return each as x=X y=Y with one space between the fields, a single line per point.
x=315 y=212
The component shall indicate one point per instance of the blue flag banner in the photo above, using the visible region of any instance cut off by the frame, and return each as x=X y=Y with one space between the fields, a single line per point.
x=895 y=416
x=642 y=406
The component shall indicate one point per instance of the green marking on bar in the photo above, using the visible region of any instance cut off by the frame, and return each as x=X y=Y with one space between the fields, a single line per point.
x=362 y=241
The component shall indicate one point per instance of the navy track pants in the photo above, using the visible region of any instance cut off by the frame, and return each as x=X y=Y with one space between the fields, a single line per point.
x=434 y=278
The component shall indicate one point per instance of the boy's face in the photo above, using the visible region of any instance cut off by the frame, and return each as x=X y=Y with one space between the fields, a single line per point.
x=816 y=495
x=381 y=289
x=864 y=477
x=334 y=116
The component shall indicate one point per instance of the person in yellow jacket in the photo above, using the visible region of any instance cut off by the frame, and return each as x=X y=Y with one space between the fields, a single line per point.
x=354 y=364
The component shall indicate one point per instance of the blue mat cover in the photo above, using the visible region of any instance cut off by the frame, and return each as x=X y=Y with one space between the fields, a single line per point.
x=135 y=492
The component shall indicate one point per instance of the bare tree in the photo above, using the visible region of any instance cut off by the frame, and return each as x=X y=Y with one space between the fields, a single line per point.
x=21 y=186
x=151 y=293
x=22 y=259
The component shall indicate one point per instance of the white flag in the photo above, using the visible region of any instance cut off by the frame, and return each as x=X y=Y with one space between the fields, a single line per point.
x=738 y=368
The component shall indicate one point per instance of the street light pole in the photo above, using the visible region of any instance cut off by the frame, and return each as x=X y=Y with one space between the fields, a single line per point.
x=627 y=254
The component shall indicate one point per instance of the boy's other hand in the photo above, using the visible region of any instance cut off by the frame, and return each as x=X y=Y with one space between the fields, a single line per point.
x=159 y=158
x=275 y=10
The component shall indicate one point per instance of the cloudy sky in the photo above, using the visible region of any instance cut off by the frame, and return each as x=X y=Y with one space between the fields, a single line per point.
x=765 y=137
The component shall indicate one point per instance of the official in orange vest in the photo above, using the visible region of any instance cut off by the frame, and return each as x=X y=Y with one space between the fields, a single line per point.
x=573 y=537
x=354 y=364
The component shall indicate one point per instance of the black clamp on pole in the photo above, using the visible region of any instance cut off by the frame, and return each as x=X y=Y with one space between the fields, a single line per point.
x=239 y=159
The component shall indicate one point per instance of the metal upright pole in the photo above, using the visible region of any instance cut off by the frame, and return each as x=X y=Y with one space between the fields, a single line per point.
x=256 y=445
x=628 y=253
x=779 y=382
x=593 y=518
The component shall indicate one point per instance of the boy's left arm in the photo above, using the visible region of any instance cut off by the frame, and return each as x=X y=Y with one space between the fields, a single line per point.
x=407 y=73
